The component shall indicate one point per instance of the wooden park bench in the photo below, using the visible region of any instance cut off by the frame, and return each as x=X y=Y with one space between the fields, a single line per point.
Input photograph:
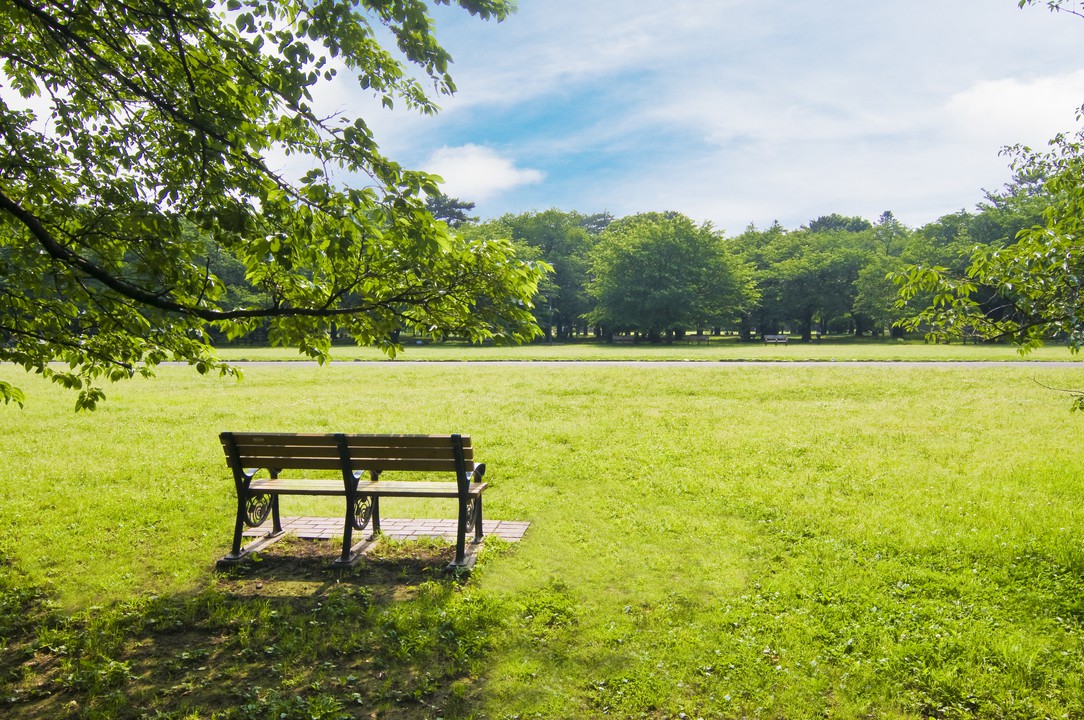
x=351 y=456
x=775 y=339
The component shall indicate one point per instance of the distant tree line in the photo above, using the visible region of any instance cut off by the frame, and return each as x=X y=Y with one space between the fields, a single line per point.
x=661 y=275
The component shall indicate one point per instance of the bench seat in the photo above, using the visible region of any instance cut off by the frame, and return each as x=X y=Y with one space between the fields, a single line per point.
x=384 y=488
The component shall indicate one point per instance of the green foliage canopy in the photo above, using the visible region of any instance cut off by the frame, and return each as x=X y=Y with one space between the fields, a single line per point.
x=1025 y=292
x=1027 y=289
x=659 y=272
x=135 y=157
x=449 y=209
x=829 y=273
x=565 y=240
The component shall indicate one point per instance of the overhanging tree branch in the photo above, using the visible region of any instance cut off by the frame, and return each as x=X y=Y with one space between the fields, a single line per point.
x=140 y=215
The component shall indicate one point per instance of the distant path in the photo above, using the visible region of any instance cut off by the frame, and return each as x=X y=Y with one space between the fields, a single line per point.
x=685 y=363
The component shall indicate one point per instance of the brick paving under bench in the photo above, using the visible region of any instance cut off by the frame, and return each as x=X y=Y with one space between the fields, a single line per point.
x=324 y=528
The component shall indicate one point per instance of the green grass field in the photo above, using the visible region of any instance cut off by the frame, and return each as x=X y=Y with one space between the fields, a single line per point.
x=713 y=540
x=717 y=350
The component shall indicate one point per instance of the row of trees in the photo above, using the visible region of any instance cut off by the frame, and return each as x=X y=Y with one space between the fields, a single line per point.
x=660 y=275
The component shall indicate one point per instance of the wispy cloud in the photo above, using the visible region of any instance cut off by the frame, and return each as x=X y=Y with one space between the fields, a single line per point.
x=557 y=46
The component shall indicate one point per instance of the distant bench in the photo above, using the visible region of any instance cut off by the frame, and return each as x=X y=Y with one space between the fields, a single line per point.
x=351 y=455
x=775 y=339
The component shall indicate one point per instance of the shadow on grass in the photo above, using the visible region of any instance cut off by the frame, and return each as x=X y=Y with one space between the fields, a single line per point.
x=299 y=568
x=286 y=636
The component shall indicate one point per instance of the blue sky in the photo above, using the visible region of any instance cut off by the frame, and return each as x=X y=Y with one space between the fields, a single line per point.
x=740 y=111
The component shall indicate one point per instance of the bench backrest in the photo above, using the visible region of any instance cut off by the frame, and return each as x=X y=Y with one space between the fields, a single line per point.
x=276 y=452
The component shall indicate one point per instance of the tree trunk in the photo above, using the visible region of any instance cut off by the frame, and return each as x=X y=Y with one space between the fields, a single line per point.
x=745 y=328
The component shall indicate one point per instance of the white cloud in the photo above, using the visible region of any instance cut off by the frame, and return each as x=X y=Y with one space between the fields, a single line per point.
x=476 y=173
x=1011 y=110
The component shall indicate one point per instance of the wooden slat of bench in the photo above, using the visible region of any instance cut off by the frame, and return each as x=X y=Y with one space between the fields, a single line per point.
x=297 y=486
x=386 y=488
x=318 y=439
x=280 y=462
x=392 y=488
x=439 y=442
x=420 y=465
x=380 y=465
x=360 y=453
x=245 y=449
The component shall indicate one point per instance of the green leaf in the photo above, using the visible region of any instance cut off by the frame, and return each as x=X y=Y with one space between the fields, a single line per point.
x=11 y=394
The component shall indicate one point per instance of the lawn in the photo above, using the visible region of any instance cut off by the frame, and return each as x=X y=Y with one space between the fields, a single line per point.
x=707 y=540
x=722 y=349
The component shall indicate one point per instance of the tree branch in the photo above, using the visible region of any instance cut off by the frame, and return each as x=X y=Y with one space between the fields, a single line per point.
x=70 y=258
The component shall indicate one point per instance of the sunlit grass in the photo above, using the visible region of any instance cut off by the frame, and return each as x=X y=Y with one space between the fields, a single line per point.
x=721 y=349
x=879 y=540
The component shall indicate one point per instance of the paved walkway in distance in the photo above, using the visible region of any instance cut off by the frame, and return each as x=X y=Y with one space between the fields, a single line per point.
x=704 y=363
x=325 y=528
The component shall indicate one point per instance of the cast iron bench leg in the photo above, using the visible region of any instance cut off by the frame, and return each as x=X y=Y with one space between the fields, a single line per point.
x=461 y=535
x=348 y=533
x=478 y=519
x=238 y=528
x=276 y=528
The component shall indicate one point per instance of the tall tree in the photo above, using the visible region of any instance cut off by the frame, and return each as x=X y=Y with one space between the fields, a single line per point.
x=874 y=307
x=595 y=223
x=757 y=250
x=449 y=209
x=835 y=221
x=806 y=278
x=659 y=273
x=135 y=144
x=564 y=241
x=816 y=272
x=876 y=295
